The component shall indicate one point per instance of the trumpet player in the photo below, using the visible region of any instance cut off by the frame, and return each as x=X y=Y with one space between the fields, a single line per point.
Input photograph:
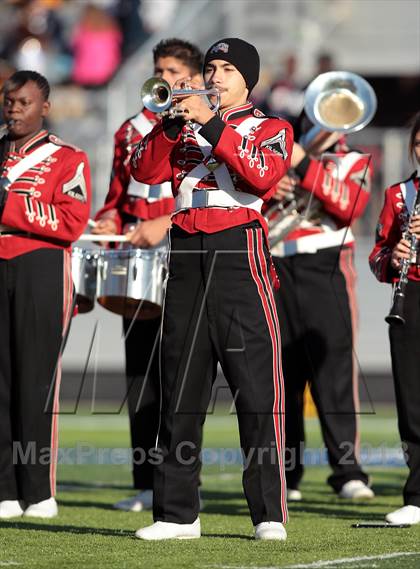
x=317 y=306
x=219 y=304
x=142 y=213
x=398 y=221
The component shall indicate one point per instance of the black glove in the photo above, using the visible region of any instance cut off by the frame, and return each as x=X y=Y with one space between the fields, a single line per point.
x=173 y=126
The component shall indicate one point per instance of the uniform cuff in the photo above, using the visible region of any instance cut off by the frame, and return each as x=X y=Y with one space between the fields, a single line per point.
x=302 y=167
x=212 y=130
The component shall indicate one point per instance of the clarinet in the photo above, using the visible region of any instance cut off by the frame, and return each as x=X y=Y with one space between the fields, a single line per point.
x=397 y=309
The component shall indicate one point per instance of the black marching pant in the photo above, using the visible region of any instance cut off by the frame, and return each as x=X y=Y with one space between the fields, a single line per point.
x=315 y=304
x=35 y=308
x=405 y=354
x=143 y=394
x=219 y=307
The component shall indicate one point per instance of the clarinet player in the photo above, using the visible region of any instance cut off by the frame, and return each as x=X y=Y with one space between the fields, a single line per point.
x=395 y=259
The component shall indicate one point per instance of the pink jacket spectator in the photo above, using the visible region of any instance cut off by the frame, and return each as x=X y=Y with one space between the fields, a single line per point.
x=96 y=45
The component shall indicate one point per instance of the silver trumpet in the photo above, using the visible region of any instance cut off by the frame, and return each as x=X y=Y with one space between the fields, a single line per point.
x=337 y=101
x=158 y=96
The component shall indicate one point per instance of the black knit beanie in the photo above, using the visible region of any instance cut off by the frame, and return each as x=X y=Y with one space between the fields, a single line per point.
x=241 y=54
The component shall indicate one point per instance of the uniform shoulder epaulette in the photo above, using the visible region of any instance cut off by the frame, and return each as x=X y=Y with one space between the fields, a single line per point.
x=59 y=142
x=257 y=113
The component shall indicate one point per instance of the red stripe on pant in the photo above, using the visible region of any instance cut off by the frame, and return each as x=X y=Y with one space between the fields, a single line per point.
x=67 y=309
x=272 y=322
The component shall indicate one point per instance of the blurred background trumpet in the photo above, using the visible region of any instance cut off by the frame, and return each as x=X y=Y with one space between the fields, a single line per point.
x=335 y=102
x=158 y=96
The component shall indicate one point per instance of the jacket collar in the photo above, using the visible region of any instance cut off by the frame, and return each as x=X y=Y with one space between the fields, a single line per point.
x=237 y=112
x=31 y=144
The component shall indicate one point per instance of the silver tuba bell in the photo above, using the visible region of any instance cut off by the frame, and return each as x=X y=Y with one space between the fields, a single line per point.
x=157 y=95
x=337 y=101
x=340 y=101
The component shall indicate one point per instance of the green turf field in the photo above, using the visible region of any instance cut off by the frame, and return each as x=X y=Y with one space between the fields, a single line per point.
x=89 y=533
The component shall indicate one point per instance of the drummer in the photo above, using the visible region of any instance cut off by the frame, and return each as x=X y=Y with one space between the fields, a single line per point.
x=142 y=213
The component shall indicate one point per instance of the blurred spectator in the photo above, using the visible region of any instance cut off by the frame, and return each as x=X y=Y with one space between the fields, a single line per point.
x=286 y=96
x=6 y=70
x=96 y=45
x=34 y=39
x=134 y=34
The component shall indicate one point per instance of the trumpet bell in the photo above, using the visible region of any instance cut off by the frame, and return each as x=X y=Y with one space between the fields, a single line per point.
x=340 y=101
x=156 y=95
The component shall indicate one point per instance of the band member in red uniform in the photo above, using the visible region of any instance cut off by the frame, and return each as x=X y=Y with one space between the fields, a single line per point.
x=142 y=212
x=317 y=305
x=44 y=207
x=219 y=304
x=386 y=260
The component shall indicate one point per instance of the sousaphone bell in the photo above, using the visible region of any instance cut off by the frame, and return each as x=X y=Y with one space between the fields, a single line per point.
x=336 y=101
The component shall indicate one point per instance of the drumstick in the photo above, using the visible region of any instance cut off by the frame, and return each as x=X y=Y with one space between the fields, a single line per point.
x=91 y=223
x=104 y=238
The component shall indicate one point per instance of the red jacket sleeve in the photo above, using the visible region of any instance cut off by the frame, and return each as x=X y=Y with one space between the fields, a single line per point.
x=388 y=234
x=65 y=215
x=261 y=158
x=345 y=199
x=150 y=162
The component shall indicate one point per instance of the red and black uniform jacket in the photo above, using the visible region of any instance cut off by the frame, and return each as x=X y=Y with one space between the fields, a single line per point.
x=393 y=222
x=119 y=203
x=255 y=162
x=48 y=205
x=340 y=182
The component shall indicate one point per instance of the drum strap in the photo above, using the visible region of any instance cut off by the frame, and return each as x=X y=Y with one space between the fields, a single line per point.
x=408 y=192
x=138 y=189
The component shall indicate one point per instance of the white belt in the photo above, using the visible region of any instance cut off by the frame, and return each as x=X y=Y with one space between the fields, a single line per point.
x=313 y=243
x=150 y=193
x=217 y=198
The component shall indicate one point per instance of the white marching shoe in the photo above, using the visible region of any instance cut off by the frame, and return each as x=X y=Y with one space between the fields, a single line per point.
x=294 y=495
x=168 y=530
x=10 y=509
x=45 y=509
x=270 y=530
x=404 y=515
x=356 y=490
x=141 y=501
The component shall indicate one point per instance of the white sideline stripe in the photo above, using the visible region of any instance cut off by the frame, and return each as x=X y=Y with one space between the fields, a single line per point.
x=344 y=560
x=319 y=564
x=9 y=563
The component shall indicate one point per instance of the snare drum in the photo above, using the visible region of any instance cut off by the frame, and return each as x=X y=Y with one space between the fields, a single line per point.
x=131 y=281
x=84 y=264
